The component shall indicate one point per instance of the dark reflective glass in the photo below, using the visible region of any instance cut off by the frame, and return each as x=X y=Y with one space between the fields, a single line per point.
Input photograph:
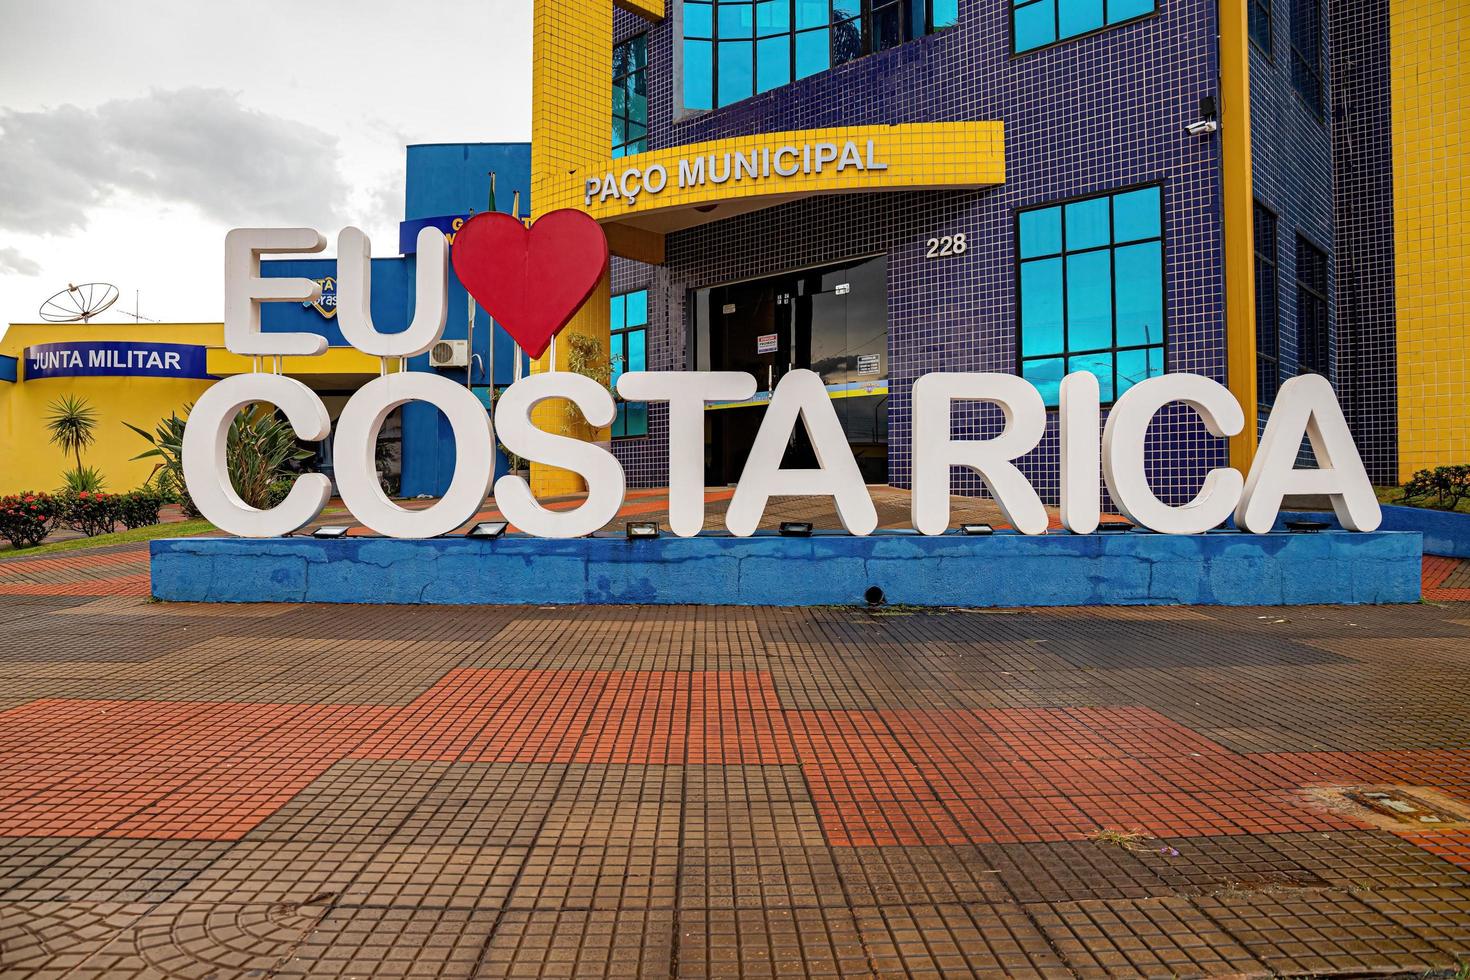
x=888 y=27
x=847 y=41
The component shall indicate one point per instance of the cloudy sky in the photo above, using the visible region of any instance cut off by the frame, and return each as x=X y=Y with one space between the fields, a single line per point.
x=135 y=133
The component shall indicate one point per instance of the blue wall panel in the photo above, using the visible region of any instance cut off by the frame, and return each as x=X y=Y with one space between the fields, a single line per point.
x=453 y=178
x=1004 y=570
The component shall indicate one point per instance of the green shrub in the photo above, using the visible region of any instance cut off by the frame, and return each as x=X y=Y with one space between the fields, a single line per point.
x=1443 y=486
x=88 y=512
x=83 y=478
x=277 y=492
x=258 y=450
x=27 y=517
x=167 y=441
x=140 y=507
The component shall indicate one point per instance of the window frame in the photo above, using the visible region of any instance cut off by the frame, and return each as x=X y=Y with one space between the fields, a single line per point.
x=620 y=336
x=620 y=80
x=1274 y=260
x=1056 y=11
x=866 y=18
x=1066 y=353
x=1269 y=6
x=1305 y=245
x=1315 y=105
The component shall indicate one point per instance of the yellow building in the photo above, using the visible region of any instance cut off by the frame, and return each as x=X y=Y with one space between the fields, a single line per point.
x=1431 y=230
x=127 y=373
x=134 y=373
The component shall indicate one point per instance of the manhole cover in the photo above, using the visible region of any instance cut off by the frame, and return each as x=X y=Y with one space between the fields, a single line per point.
x=1403 y=809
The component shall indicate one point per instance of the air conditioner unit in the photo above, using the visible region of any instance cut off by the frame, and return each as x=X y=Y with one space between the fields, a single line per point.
x=450 y=354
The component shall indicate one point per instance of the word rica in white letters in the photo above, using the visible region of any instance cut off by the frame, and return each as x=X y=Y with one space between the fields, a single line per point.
x=762 y=164
x=1305 y=408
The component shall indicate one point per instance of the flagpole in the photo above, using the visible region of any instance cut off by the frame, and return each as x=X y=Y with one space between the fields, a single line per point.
x=490 y=355
x=515 y=371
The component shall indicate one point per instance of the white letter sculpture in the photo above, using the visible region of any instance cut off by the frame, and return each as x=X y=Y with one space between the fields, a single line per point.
x=604 y=476
x=245 y=290
x=1080 y=418
x=800 y=395
x=686 y=392
x=207 y=473
x=935 y=451
x=1306 y=405
x=1123 y=445
x=355 y=460
x=355 y=289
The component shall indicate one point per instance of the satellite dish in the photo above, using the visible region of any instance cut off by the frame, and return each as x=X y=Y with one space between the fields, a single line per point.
x=79 y=303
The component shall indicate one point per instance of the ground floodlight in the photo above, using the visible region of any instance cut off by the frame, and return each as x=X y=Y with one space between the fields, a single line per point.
x=976 y=529
x=638 y=530
x=1306 y=527
x=331 y=531
x=487 y=529
x=796 y=529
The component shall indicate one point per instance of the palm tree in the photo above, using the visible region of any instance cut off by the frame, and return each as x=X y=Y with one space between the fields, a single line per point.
x=71 y=423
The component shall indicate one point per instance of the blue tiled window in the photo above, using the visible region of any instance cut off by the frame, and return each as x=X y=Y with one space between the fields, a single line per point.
x=1306 y=52
x=1038 y=23
x=630 y=97
x=628 y=351
x=1268 y=308
x=1260 y=23
x=734 y=49
x=1091 y=276
x=1313 y=342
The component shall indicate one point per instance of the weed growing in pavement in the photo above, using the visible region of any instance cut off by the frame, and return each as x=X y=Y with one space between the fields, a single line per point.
x=1128 y=840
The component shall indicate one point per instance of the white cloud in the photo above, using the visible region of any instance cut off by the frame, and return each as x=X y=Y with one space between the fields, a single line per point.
x=193 y=146
x=14 y=261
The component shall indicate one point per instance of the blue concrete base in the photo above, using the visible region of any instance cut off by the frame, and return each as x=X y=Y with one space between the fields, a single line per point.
x=1007 y=569
x=1445 y=532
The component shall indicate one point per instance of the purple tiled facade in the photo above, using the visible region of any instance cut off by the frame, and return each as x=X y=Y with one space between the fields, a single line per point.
x=1367 y=362
x=1089 y=115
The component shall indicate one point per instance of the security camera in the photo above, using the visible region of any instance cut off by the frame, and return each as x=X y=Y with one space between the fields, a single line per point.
x=1202 y=127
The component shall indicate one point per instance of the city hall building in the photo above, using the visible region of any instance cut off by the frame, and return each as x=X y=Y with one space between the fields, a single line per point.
x=878 y=189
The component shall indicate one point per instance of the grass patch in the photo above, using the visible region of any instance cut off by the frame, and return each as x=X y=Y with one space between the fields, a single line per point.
x=1395 y=496
x=180 y=529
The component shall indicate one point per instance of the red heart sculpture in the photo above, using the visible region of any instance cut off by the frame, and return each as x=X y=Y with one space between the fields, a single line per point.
x=531 y=280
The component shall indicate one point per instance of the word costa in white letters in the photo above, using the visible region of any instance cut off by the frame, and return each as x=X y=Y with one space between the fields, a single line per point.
x=719 y=168
x=1305 y=408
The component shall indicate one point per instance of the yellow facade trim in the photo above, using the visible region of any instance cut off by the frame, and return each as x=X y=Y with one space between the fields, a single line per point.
x=1431 y=204
x=680 y=187
x=1239 y=221
x=647 y=9
x=571 y=124
x=335 y=361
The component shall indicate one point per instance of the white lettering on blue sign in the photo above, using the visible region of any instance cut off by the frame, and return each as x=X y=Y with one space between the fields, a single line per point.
x=115 y=358
x=735 y=167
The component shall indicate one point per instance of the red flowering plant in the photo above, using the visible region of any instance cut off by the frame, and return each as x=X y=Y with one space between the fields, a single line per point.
x=27 y=517
x=90 y=511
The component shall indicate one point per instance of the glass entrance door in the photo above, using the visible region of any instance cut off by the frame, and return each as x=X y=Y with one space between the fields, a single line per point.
x=833 y=321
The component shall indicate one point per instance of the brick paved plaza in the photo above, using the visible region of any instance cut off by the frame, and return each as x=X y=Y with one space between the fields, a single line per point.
x=262 y=790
